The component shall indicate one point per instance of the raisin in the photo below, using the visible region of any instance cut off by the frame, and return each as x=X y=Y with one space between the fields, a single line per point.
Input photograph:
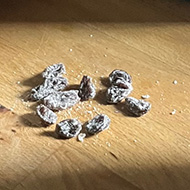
x=68 y=128
x=48 y=87
x=98 y=124
x=137 y=107
x=57 y=83
x=55 y=70
x=87 y=89
x=61 y=100
x=120 y=78
x=116 y=94
x=40 y=92
x=47 y=116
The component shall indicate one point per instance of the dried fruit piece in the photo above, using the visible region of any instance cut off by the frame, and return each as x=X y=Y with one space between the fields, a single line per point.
x=48 y=117
x=120 y=78
x=98 y=124
x=61 y=100
x=48 y=87
x=116 y=94
x=87 y=89
x=137 y=107
x=40 y=92
x=54 y=70
x=68 y=128
x=57 y=83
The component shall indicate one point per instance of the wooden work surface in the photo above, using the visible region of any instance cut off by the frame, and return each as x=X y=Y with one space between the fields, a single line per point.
x=148 y=39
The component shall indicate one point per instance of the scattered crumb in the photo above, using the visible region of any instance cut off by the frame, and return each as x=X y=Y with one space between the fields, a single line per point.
x=145 y=96
x=122 y=107
x=134 y=140
x=173 y=112
x=182 y=83
x=81 y=137
x=175 y=82
x=105 y=55
x=78 y=169
x=96 y=71
x=14 y=72
x=11 y=109
x=105 y=154
x=91 y=35
x=116 y=111
x=72 y=71
x=157 y=82
x=18 y=82
x=70 y=50
x=108 y=144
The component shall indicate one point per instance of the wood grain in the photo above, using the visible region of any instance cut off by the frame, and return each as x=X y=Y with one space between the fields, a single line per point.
x=150 y=40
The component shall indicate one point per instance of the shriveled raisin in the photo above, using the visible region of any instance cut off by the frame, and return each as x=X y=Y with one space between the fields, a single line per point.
x=120 y=78
x=87 y=89
x=137 y=107
x=68 y=128
x=54 y=70
x=48 y=87
x=98 y=124
x=47 y=116
x=61 y=100
x=116 y=94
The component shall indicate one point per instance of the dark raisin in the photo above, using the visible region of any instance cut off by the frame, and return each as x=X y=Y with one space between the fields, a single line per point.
x=62 y=100
x=116 y=94
x=120 y=78
x=68 y=128
x=47 y=116
x=98 y=124
x=137 y=107
x=87 y=89
x=48 y=87
x=55 y=70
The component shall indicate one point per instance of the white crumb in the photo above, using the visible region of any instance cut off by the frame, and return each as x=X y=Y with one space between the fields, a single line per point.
x=134 y=140
x=116 y=111
x=105 y=154
x=138 y=74
x=145 y=96
x=18 y=82
x=157 y=82
x=105 y=55
x=175 y=82
x=70 y=50
x=108 y=144
x=173 y=112
x=81 y=137
x=89 y=112
x=91 y=35
x=72 y=71
x=96 y=71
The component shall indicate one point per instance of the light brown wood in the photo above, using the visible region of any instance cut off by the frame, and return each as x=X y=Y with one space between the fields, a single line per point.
x=150 y=40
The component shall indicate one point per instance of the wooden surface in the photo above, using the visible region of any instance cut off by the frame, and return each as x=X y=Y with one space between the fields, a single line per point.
x=148 y=39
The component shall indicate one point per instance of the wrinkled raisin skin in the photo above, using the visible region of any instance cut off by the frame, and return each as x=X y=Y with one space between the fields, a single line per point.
x=120 y=78
x=62 y=100
x=87 y=89
x=68 y=128
x=47 y=116
x=137 y=107
x=115 y=94
x=98 y=124
x=54 y=70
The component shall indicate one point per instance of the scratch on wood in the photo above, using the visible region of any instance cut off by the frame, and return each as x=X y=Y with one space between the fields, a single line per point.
x=114 y=155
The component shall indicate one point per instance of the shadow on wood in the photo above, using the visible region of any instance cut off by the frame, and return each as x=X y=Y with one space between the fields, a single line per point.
x=95 y=11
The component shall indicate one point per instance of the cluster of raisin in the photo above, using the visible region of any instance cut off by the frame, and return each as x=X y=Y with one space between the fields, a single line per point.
x=121 y=87
x=72 y=127
x=51 y=93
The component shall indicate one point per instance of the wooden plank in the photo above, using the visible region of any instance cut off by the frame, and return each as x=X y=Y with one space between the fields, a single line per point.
x=150 y=40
